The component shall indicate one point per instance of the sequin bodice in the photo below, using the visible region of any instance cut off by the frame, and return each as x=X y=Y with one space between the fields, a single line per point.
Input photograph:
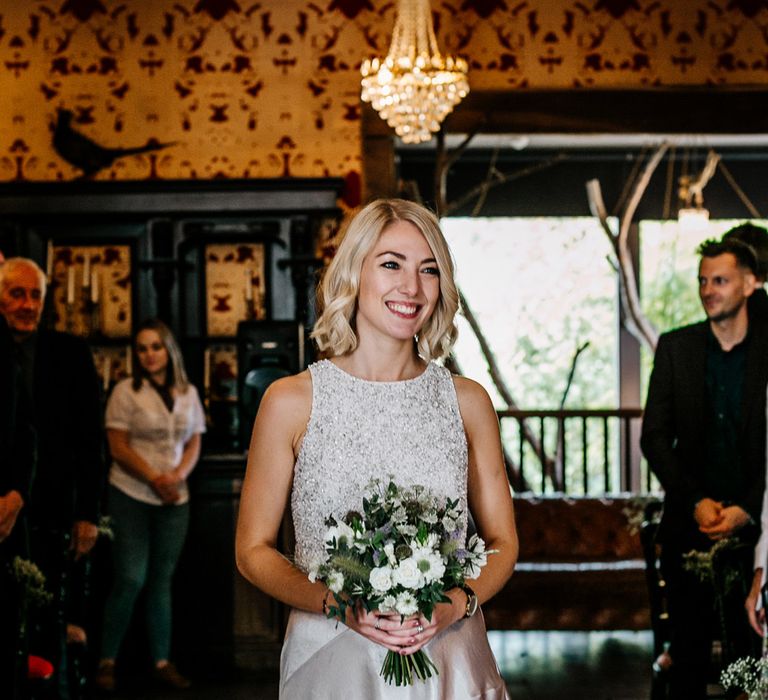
x=359 y=430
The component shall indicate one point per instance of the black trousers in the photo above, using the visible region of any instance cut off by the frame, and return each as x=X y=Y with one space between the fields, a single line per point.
x=701 y=611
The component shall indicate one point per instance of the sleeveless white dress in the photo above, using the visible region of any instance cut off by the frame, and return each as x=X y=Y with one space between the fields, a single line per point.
x=359 y=430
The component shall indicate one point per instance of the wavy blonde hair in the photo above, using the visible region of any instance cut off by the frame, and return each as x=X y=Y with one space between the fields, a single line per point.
x=334 y=333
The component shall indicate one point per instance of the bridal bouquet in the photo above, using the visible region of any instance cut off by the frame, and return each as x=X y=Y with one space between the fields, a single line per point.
x=400 y=555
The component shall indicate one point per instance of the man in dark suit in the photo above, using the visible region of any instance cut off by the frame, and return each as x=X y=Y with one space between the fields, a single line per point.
x=58 y=378
x=704 y=437
x=17 y=457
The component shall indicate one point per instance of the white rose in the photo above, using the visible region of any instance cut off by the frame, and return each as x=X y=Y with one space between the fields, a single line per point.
x=381 y=579
x=407 y=574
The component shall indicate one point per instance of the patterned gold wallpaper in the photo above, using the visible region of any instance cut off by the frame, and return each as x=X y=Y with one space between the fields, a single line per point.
x=199 y=89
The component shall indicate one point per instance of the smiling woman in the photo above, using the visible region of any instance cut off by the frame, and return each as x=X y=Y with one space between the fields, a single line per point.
x=378 y=406
x=399 y=285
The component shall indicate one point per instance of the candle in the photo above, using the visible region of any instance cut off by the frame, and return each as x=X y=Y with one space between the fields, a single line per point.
x=49 y=260
x=206 y=371
x=86 y=270
x=106 y=371
x=248 y=284
x=94 y=286
x=70 y=285
x=128 y=361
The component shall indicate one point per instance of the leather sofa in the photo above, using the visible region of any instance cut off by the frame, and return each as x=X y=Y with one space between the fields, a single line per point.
x=580 y=568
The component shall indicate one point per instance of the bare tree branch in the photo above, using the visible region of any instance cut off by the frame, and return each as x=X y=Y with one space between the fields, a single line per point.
x=635 y=321
x=558 y=473
x=501 y=386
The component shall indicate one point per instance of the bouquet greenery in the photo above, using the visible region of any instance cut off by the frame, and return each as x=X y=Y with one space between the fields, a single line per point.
x=747 y=674
x=399 y=556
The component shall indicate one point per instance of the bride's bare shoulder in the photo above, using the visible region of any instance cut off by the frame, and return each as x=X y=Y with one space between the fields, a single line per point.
x=289 y=394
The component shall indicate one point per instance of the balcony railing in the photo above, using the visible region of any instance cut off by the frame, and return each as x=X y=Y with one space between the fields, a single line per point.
x=575 y=451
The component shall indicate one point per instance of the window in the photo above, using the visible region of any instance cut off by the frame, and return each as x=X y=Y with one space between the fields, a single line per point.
x=540 y=288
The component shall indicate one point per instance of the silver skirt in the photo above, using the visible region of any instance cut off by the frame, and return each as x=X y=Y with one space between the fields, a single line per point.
x=325 y=661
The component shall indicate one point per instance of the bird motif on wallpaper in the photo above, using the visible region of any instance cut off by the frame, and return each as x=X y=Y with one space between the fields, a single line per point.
x=84 y=153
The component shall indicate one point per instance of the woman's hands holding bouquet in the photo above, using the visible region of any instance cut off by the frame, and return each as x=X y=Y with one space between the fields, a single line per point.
x=395 y=572
x=406 y=635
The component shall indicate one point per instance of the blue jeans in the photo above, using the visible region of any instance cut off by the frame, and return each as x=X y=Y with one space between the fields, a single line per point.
x=146 y=549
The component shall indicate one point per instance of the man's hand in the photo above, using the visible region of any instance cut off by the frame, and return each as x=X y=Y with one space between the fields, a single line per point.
x=756 y=617
x=10 y=507
x=732 y=518
x=84 y=536
x=707 y=513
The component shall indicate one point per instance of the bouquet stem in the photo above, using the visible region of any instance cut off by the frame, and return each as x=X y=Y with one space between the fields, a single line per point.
x=403 y=670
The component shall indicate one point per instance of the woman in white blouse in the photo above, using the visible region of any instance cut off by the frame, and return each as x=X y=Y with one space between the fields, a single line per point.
x=154 y=421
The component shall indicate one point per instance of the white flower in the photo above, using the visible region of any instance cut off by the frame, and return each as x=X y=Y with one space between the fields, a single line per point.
x=388 y=604
x=314 y=568
x=389 y=550
x=429 y=517
x=399 y=515
x=406 y=604
x=335 y=581
x=476 y=544
x=432 y=542
x=430 y=564
x=449 y=524
x=342 y=533
x=381 y=579
x=409 y=530
x=472 y=569
x=407 y=574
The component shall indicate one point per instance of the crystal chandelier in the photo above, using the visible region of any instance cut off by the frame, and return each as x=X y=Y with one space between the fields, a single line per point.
x=415 y=87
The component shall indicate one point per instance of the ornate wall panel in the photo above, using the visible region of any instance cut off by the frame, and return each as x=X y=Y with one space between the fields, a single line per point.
x=237 y=89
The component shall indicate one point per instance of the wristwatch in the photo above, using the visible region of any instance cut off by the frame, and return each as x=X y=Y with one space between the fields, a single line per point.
x=471 y=601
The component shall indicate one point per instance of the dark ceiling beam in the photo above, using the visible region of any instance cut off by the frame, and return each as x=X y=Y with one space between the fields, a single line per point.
x=683 y=110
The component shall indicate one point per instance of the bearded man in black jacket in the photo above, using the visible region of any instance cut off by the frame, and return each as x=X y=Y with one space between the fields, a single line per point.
x=704 y=435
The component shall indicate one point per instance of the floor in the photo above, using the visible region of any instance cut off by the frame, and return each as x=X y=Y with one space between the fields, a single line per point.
x=536 y=666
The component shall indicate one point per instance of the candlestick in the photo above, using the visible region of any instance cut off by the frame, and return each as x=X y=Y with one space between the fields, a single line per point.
x=86 y=270
x=94 y=286
x=248 y=284
x=70 y=285
x=106 y=371
x=206 y=372
x=49 y=260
